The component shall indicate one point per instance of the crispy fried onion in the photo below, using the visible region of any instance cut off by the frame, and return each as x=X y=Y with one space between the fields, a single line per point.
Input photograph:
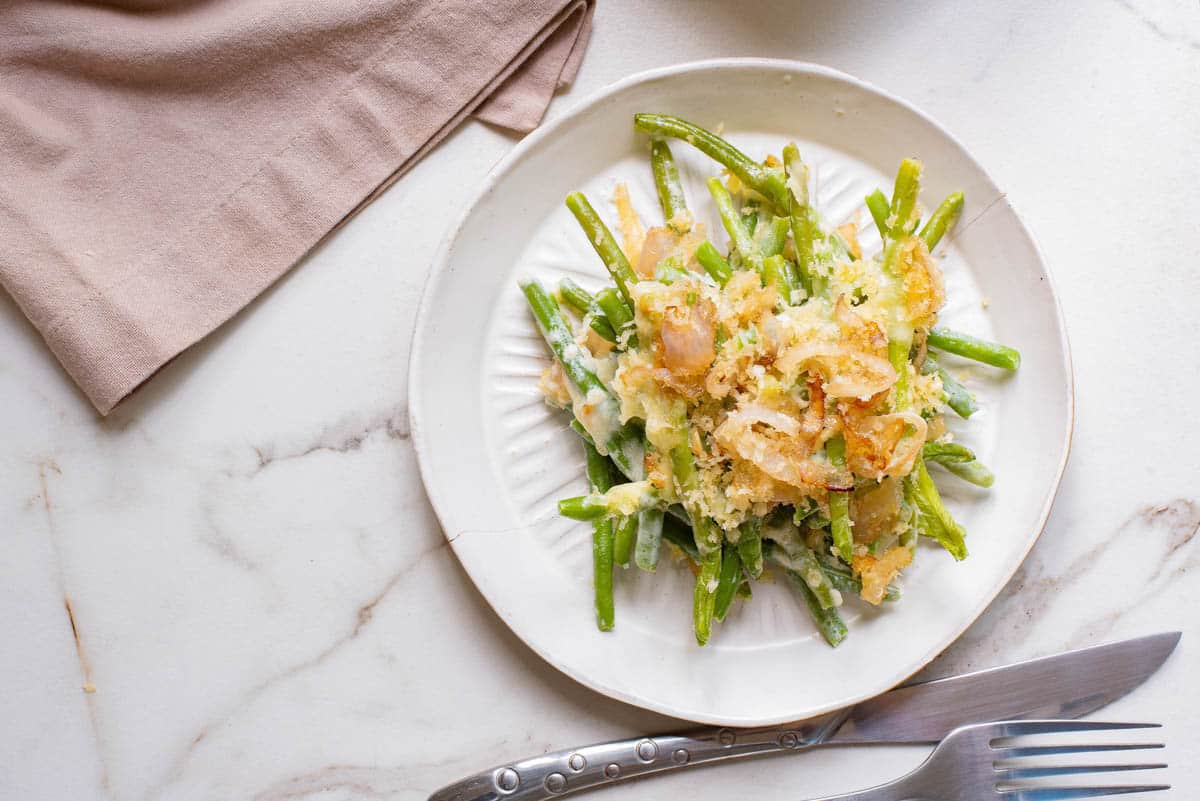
x=687 y=334
x=855 y=366
x=690 y=387
x=633 y=233
x=665 y=242
x=875 y=510
x=877 y=572
x=879 y=445
x=725 y=374
x=814 y=422
x=849 y=232
x=778 y=445
x=748 y=485
x=848 y=373
x=924 y=290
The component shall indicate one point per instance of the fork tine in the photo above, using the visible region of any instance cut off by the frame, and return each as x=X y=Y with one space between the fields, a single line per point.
x=1006 y=774
x=1067 y=793
x=1050 y=750
x=1018 y=728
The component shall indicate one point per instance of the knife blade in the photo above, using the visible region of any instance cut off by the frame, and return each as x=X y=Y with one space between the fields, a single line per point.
x=1065 y=685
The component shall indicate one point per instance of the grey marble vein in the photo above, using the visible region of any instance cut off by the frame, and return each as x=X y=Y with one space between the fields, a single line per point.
x=362 y=619
x=1158 y=30
x=344 y=436
x=355 y=781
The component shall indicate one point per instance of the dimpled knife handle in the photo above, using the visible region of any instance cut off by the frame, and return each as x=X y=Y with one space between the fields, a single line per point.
x=562 y=772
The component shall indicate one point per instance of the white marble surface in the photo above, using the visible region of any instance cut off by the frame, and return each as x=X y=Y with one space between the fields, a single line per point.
x=241 y=562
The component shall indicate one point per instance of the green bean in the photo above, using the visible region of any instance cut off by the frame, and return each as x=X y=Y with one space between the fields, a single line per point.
x=582 y=301
x=959 y=460
x=687 y=482
x=776 y=273
x=902 y=214
x=623 y=499
x=704 y=597
x=805 y=228
x=803 y=562
x=621 y=442
x=795 y=280
x=669 y=271
x=602 y=572
x=649 y=538
x=727 y=584
x=973 y=348
x=750 y=211
x=900 y=330
x=757 y=176
x=947 y=451
x=877 y=204
x=603 y=243
x=708 y=536
x=618 y=315
x=666 y=180
x=624 y=534
x=898 y=347
x=578 y=428
x=974 y=472
x=714 y=263
x=811 y=516
x=750 y=546
x=774 y=236
x=647 y=525
x=779 y=532
x=743 y=242
x=942 y=220
x=839 y=504
x=600 y=480
x=558 y=335
x=827 y=620
x=575 y=296
x=679 y=533
x=583 y=507
x=599 y=475
x=958 y=397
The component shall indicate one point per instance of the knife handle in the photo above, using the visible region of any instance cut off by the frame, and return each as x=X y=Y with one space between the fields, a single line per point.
x=560 y=773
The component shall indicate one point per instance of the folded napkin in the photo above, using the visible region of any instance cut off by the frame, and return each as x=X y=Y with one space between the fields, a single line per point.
x=164 y=162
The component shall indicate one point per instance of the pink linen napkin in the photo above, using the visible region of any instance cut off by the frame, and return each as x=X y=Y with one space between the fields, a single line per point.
x=163 y=162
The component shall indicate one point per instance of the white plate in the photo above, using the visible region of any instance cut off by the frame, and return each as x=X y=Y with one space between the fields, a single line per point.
x=495 y=459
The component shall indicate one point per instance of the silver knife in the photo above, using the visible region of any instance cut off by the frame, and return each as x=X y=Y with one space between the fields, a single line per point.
x=1066 y=685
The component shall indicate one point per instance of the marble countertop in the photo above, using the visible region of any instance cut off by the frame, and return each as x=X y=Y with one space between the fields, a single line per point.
x=234 y=587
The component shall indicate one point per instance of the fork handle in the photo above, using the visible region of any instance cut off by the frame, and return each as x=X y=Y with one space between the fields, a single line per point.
x=560 y=773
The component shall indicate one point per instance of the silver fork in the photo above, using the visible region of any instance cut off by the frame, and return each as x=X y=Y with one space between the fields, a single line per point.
x=979 y=762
